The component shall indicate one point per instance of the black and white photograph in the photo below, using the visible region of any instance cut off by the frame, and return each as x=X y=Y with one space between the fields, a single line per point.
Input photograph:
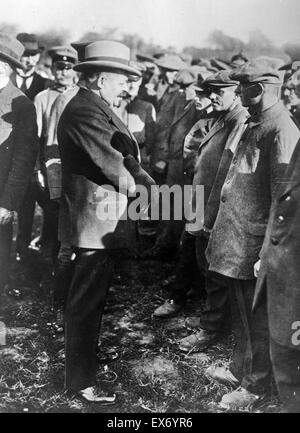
x=149 y=209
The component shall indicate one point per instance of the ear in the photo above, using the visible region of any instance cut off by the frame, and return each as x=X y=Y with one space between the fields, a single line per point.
x=100 y=80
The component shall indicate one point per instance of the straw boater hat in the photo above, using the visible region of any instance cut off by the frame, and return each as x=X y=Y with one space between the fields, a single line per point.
x=11 y=50
x=107 y=55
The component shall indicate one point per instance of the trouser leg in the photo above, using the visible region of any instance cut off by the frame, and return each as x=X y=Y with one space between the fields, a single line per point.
x=5 y=248
x=251 y=359
x=187 y=273
x=93 y=271
x=25 y=220
x=286 y=368
x=63 y=275
x=217 y=309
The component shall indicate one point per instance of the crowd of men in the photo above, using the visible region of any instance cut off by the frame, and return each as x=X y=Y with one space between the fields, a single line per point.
x=100 y=119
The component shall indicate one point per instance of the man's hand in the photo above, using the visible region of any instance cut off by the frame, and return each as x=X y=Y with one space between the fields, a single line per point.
x=256 y=268
x=161 y=166
x=5 y=216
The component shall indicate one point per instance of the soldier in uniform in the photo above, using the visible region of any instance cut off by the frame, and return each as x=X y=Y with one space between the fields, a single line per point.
x=63 y=58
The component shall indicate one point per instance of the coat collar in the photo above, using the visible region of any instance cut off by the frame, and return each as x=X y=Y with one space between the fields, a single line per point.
x=111 y=116
x=7 y=92
x=266 y=115
x=221 y=120
x=186 y=109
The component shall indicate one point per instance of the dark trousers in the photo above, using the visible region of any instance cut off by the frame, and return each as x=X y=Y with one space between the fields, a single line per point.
x=62 y=276
x=216 y=312
x=251 y=362
x=36 y=193
x=286 y=369
x=5 y=248
x=92 y=275
x=187 y=273
x=170 y=231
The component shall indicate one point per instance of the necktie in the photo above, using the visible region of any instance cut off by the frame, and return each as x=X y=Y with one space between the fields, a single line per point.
x=23 y=87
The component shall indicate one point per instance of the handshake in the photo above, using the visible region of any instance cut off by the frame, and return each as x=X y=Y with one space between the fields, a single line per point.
x=142 y=178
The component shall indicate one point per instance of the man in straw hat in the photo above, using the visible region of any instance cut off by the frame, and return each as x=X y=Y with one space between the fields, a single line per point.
x=98 y=154
x=18 y=146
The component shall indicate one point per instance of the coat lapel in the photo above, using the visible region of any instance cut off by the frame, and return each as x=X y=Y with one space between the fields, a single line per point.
x=183 y=112
x=217 y=126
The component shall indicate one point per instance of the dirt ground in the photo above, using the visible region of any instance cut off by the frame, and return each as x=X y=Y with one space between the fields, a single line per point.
x=151 y=375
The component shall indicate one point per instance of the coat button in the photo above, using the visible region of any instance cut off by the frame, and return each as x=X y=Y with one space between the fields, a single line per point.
x=274 y=241
x=288 y=198
x=280 y=219
x=223 y=199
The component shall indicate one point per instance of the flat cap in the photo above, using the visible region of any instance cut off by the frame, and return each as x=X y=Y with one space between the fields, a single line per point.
x=171 y=62
x=257 y=72
x=219 y=64
x=186 y=77
x=220 y=79
x=143 y=58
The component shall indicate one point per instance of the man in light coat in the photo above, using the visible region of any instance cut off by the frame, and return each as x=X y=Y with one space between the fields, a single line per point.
x=237 y=237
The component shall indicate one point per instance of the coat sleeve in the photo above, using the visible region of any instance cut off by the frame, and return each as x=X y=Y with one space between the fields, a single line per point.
x=38 y=102
x=89 y=129
x=24 y=157
x=280 y=155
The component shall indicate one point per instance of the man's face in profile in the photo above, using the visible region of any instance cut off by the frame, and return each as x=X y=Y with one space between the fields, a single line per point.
x=112 y=87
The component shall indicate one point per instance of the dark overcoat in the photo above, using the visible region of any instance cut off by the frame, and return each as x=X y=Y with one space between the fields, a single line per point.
x=256 y=170
x=18 y=145
x=93 y=142
x=279 y=275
